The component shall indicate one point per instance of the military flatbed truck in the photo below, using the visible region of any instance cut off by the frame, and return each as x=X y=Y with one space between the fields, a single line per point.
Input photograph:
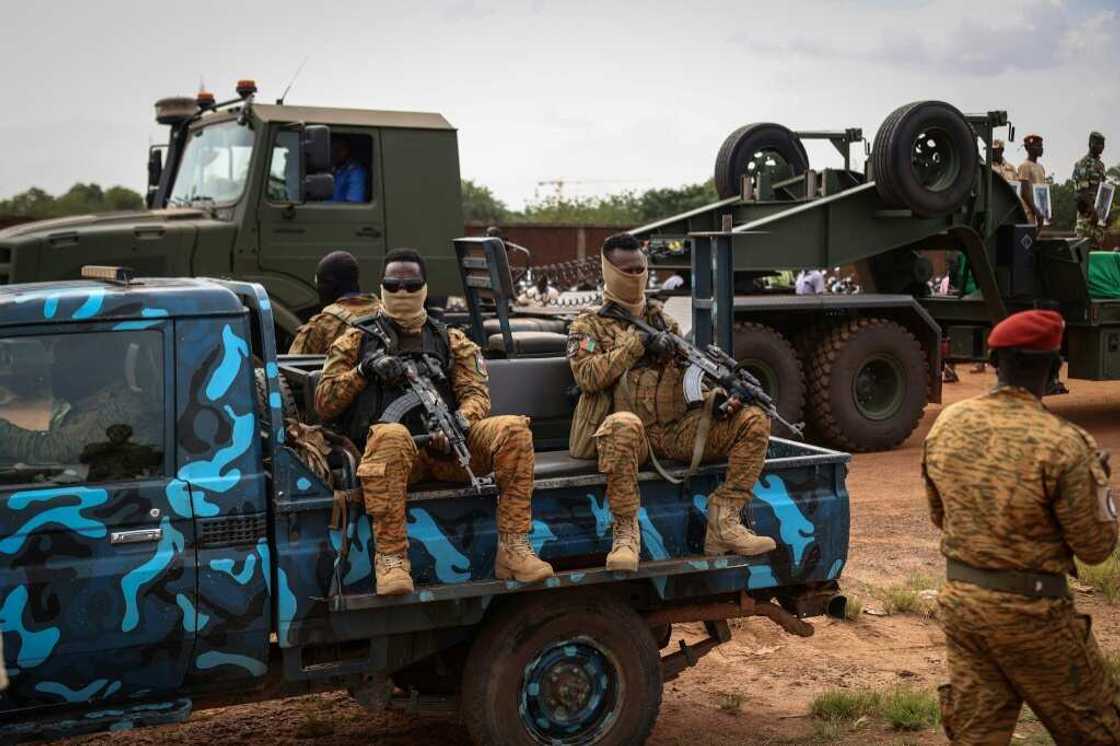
x=186 y=558
x=244 y=190
x=861 y=368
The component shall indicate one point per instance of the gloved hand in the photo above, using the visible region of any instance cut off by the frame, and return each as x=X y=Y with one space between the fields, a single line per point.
x=659 y=344
x=388 y=369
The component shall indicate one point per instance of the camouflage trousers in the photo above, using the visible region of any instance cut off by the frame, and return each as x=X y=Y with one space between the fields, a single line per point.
x=1090 y=229
x=392 y=462
x=1004 y=648
x=621 y=442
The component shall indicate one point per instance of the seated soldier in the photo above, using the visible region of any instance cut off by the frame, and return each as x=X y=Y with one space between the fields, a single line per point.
x=342 y=299
x=374 y=354
x=632 y=400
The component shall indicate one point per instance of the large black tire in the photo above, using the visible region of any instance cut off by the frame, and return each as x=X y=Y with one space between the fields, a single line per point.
x=868 y=385
x=562 y=668
x=737 y=154
x=773 y=361
x=925 y=158
x=264 y=412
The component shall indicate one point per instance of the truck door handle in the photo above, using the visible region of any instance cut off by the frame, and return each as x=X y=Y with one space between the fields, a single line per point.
x=136 y=537
x=367 y=232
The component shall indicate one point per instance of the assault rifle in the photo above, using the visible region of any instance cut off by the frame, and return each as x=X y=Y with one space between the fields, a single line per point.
x=713 y=365
x=420 y=379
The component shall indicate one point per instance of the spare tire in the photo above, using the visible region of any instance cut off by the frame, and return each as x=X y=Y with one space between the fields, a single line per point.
x=740 y=152
x=925 y=158
x=288 y=407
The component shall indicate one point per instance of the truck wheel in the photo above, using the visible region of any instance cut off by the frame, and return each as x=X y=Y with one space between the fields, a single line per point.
x=868 y=385
x=562 y=669
x=287 y=400
x=925 y=158
x=770 y=358
x=743 y=151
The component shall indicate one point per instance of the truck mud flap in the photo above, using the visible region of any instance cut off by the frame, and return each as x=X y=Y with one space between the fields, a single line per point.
x=732 y=565
x=97 y=720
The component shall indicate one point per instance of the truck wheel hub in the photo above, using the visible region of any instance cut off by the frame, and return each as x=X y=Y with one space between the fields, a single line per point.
x=569 y=692
x=934 y=159
x=878 y=387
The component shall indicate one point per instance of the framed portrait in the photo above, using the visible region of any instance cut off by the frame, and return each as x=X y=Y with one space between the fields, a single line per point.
x=1105 y=193
x=1041 y=193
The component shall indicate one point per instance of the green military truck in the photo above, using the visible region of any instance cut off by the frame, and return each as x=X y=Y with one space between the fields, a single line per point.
x=861 y=368
x=244 y=190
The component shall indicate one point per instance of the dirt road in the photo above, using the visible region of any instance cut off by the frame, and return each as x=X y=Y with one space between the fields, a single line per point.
x=758 y=687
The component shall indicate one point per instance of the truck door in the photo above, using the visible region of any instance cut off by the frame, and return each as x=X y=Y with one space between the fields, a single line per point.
x=97 y=558
x=294 y=237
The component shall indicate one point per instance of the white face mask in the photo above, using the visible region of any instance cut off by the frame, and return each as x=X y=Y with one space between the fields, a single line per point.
x=406 y=308
x=625 y=289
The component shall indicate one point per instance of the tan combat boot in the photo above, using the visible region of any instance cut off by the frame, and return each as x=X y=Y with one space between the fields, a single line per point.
x=394 y=574
x=727 y=534
x=626 y=544
x=517 y=560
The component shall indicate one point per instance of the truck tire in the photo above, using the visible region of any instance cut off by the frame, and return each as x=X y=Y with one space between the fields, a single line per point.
x=574 y=668
x=868 y=385
x=925 y=158
x=738 y=154
x=768 y=356
x=287 y=400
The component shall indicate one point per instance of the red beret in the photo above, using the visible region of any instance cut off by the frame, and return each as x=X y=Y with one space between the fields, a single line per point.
x=1031 y=139
x=1029 y=330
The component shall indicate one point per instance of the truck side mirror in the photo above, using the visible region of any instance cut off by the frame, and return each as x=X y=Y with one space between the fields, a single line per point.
x=315 y=149
x=318 y=187
x=155 y=171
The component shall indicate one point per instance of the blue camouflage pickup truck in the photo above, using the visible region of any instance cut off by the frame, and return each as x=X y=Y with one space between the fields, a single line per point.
x=163 y=549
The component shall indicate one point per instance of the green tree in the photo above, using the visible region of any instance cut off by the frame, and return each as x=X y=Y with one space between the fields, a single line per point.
x=480 y=205
x=80 y=199
x=1063 y=204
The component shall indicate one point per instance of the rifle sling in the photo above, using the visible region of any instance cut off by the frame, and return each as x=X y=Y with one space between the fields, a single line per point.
x=701 y=440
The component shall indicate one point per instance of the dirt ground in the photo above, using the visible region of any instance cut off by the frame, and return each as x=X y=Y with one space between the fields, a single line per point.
x=772 y=677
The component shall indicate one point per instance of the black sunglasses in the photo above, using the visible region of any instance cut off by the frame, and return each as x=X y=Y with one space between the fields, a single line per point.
x=395 y=286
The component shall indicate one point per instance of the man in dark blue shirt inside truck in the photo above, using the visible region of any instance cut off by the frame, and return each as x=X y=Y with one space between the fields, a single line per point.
x=350 y=176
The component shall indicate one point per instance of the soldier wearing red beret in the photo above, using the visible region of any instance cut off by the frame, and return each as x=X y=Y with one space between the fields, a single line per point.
x=1018 y=493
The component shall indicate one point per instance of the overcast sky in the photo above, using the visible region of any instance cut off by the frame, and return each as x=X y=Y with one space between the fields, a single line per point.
x=606 y=95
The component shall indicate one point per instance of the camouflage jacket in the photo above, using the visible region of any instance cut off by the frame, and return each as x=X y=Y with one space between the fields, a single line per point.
x=614 y=374
x=315 y=337
x=341 y=382
x=1015 y=487
x=1088 y=173
x=1031 y=172
x=1007 y=171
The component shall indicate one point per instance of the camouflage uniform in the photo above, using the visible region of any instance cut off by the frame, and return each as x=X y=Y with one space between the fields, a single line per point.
x=1016 y=488
x=628 y=400
x=1032 y=173
x=391 y=461
x=315 y=337
x=1088 y=173
x=72 y=427
x=1009 y=173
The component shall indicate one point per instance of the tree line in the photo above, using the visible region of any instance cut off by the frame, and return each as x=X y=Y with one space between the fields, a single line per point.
x=80 y=199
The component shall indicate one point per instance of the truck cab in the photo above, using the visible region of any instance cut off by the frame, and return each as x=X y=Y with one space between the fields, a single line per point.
x=164 y=547
x=231 y=198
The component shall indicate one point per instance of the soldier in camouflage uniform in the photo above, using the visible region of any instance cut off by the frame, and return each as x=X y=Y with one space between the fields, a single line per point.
x=1088 y=173
x=1001 y=166
x=632 y=399
x=1031 y=172
x=391 y=461
x=343 y=303
x=1019 y=492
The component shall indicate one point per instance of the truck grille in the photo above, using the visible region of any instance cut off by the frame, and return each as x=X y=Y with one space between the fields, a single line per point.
x=228 y=531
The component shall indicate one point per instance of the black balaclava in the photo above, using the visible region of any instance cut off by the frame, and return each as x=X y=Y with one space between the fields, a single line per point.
x=336 y=276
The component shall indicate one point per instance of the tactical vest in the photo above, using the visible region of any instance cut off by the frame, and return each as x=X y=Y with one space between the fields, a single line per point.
x=380 y=335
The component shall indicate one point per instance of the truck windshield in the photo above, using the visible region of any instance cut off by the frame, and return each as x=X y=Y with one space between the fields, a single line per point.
x=214 y=166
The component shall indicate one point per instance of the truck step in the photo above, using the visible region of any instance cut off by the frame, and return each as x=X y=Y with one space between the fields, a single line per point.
x=77 y=723
x=565 y=579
